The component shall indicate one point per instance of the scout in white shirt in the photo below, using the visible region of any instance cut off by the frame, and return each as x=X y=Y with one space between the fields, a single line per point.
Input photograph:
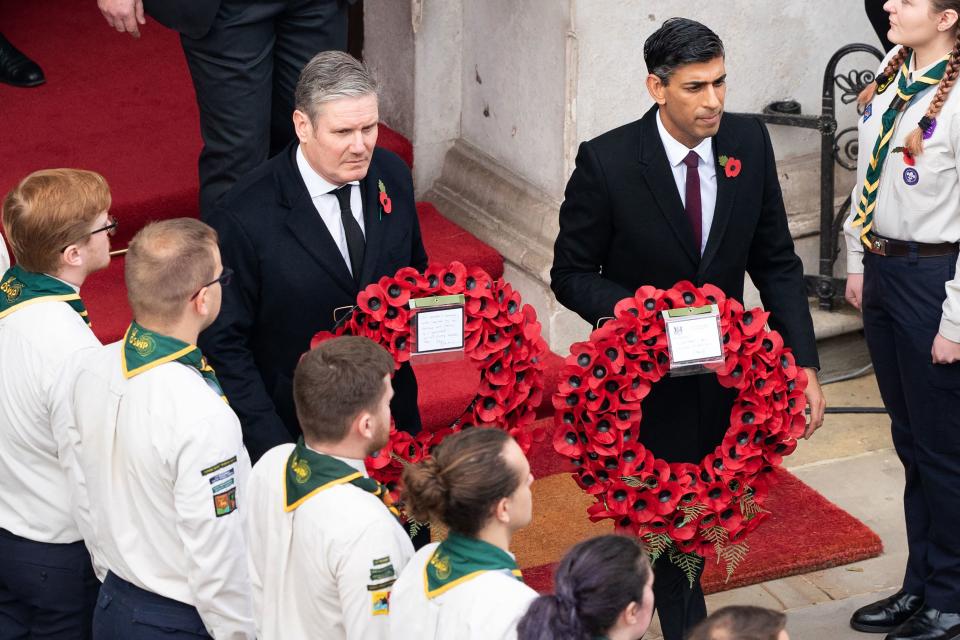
x=57 y=223
x=326 y=544
x=162 y=453
x=468 y=586
x=902 y=243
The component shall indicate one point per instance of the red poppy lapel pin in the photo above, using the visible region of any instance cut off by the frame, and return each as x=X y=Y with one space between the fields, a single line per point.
x=731 y=166
x=386 y=205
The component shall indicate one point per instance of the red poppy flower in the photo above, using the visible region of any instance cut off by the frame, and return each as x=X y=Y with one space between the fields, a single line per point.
x=732 y=167
x=386 y=203
x=685 y=294
x=452 y=278
x=373 y=302
x=752 y=322
x=320 y=336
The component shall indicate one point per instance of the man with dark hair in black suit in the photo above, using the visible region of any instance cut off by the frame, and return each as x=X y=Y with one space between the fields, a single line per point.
x=244 y=58
x=304 y=233
x=649 y=204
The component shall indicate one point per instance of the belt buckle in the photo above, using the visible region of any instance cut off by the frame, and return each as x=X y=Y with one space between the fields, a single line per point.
x=879 y=246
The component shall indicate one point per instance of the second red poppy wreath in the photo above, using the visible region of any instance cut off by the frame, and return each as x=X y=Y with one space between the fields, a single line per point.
x=502 y=338
x=682 y=510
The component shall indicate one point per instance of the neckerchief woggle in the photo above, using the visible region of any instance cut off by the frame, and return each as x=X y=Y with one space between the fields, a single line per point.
x=905 y=93
x=459 y=558
x=144 y=349
x=20 y=288
x=307 y=473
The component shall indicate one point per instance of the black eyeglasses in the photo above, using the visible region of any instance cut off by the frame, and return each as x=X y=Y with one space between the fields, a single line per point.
x=110 y=228
x=224 y=280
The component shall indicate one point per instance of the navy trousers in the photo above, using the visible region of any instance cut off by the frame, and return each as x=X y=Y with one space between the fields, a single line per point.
x=244 y=72
x=902 y=306
x=126 y=611
x=47 y=591
x=680 y=605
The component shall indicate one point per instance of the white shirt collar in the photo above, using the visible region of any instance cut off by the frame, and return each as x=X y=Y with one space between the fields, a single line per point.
x=359 y=465
x=677 y=151
x=69 y=284
x=317 y=185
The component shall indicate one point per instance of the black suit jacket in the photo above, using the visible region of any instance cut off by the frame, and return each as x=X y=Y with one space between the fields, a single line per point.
x=289 y=278
x=622 y=226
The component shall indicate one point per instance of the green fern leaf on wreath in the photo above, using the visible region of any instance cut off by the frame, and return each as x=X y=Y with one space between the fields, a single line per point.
x=733 y=555
x=719 y=537
x=415 y=527
x=749 y=507
x=655 y=544
x=689 y=563
x=691 y=513
x=632 y=481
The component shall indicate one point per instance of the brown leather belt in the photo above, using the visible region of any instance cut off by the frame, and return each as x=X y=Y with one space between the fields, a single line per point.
x=903 y=248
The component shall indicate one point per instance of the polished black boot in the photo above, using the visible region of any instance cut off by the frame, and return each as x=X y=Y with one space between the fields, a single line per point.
x=887 y=614
x=17 y=69
x=928 y=624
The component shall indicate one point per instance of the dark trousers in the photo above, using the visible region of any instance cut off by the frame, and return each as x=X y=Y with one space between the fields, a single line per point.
x=47 y=590
x=680 y=606
x=902 y=307
x=244 y=73
x=129 y=612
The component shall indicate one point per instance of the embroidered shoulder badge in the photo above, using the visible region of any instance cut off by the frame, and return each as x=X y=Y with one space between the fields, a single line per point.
x=225 y=503
x=380 y=603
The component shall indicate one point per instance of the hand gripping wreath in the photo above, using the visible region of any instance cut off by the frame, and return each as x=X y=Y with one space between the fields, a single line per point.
x=501 y=337
x=688 y=511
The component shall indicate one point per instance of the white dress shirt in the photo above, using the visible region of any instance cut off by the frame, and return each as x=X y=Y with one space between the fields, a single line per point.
x=925 y=209
x=487 y=607
x=325 y=569
x=35 y=492
x=706 y=167
x=327 y=205
x=162 y=455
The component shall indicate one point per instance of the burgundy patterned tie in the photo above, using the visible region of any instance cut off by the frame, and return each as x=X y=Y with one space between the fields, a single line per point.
x=693 y=208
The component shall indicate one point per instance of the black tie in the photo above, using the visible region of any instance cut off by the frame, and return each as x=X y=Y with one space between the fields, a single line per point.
x=351 y=229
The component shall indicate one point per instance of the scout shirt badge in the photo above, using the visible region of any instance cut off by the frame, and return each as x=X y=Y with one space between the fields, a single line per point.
x=307 y=473
x=459 y=559
x=19 y=288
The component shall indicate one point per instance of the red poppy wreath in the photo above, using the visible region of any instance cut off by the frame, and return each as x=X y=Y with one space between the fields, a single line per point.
x=687 y=511
x=501 y=337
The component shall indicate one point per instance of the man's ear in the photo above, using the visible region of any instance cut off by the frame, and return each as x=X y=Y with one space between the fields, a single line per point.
x=363 y=425
x=656 y=88
x=302 y=125
x=70 y=257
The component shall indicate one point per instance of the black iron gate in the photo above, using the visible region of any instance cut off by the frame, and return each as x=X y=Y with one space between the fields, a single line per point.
x=836 y=148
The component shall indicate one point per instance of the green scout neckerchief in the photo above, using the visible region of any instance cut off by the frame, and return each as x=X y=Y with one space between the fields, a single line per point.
x=143 y=350
x=20 y=288
x=459 y=558
x=905 y=93
x=307 y=473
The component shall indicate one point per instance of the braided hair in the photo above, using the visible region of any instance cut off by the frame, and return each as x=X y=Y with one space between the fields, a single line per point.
x=914 y=142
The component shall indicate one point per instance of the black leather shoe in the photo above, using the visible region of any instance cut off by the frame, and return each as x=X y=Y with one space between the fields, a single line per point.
x=887 y=614
x=16 y=68
x=928 y=624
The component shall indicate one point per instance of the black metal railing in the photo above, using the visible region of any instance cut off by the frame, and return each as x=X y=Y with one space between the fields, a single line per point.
x=836 y=148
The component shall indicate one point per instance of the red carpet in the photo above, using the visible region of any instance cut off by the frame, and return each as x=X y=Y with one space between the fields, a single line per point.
x=784 y=545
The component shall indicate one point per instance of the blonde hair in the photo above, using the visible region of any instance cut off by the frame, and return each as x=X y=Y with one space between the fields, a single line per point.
x=166 y=263
x=50 y=210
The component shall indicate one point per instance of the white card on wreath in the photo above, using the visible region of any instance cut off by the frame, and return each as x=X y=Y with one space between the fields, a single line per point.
x=693 y=335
